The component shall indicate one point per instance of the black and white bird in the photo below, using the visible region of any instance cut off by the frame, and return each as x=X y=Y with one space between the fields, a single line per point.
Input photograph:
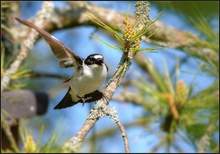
x=89 y=75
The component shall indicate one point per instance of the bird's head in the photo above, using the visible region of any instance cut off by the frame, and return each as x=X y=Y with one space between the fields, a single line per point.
x=94 y=59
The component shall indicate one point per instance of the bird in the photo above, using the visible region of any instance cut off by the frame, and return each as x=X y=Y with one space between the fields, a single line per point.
x=89 y=75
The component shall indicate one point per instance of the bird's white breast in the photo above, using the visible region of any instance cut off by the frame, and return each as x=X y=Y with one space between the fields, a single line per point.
x=88 y=79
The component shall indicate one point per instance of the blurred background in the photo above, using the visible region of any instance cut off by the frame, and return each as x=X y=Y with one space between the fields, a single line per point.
x=147 y=117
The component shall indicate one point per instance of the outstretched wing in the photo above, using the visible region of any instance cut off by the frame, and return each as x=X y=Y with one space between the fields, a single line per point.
x=65 y=56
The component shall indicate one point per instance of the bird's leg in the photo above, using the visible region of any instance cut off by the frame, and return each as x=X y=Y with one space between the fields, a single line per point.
x=83 y=99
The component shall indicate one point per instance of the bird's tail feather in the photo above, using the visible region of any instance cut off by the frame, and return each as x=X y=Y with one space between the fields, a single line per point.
x=66 y=101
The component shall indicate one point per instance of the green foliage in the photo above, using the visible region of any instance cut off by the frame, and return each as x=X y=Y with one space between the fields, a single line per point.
x=183 y=113
x=122 y=35
x=8 y=44
x=195 y=116
x=201 y=23
x=198 y=116
x=211 y=41
x=51 y=146
x=6 y=127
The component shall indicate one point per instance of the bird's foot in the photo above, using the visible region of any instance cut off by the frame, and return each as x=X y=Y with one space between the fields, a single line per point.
x=83 y=99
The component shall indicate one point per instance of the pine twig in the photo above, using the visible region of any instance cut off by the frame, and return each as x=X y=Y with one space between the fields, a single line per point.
x=124 y=136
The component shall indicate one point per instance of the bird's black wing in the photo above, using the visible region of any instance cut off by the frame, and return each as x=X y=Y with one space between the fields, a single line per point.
x=91 y=97
x=67 y=100
x=65 y=56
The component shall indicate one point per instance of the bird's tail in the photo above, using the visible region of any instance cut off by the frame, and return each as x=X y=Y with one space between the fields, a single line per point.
x=66 y=101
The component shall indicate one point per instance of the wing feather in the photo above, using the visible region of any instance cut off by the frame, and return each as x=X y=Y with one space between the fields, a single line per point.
x=65 y=56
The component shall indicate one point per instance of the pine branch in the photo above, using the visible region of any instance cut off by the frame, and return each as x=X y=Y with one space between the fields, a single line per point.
x=184 y=41
x=101 y=109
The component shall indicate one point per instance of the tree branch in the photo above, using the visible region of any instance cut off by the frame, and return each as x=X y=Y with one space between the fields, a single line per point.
x=27 y=45
x=110 y=131
x=101 y=109
x=124 y=136
x=169 y=37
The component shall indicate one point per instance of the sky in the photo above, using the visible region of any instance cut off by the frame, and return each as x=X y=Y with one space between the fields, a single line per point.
x=69 y=118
